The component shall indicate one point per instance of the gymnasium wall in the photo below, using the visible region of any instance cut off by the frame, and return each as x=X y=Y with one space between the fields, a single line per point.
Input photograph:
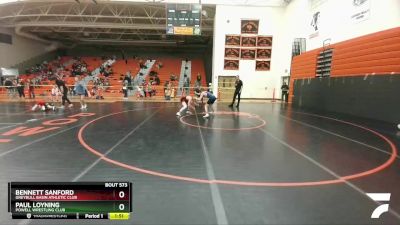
x=364 y=75
x=340 y=20
x=271 y=22
x=372 y=97
x=20 y=50
x=377 y=53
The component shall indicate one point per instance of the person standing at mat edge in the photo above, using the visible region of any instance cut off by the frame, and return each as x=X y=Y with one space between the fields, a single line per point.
x=81 y=90
x=238 y=91
x=285 y=91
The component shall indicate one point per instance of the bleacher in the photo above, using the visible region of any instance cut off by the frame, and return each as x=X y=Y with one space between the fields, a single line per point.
x=198 y=67
x=170 y=66
x=120 y=67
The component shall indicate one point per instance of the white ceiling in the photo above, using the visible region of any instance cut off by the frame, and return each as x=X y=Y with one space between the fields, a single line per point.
x=108 y=21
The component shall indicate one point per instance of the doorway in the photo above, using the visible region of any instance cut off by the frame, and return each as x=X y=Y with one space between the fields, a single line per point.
x=226 y=88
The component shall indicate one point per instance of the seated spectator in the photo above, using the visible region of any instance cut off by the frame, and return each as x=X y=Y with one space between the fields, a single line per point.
x=157 y=80
x=198 y=80
x=149 y=90
x=140 y=91
x=173 y=77
x=153 y=73
x=100 y=88
x=107 y=71
x=159 y=65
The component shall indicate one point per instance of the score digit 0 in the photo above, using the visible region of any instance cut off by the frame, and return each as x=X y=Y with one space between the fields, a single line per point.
x=121 y=194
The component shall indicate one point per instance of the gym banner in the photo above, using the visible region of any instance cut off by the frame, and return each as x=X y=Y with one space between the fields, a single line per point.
x=249 y=26
x=232 y=40
x=231 y=64
x=248 y=54
x=263 y=53
x=249 y=41
x=232 y=53
x=262 y=65
x=264 y=41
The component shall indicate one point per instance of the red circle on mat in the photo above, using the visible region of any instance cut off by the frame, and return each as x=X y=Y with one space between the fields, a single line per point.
x=343 y=179
x=244 y=114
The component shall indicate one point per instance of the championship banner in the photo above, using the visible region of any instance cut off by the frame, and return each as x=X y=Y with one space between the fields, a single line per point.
x=263 y=53
x=264 y=41
x=249 y=26
x=232 y=53
x=230 y=64
x=249 y=41
x=232 y=40
x=248 y=54
x=262 y=65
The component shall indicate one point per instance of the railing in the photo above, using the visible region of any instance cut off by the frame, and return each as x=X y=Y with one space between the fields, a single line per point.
x=108 y=91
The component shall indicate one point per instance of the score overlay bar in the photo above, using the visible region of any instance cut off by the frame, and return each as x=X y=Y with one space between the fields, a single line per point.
x=72 y=200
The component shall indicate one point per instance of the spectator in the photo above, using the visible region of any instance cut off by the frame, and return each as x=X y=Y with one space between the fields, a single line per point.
x=8 y=83
x=21 y=88
x=149 y=89
x=140 y=91
x=167 y=90
x=125 y=89
x=173 y=77
x=172 y=91
x=157 y=80
x=165 y=87
x=160 y=65
x=128 y=79
x=186 y=84
x=31 y=88
x=98 y=87
x=198 y=80
x=285 y=91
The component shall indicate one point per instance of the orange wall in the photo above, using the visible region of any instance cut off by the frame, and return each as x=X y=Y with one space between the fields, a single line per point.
x=377 y=53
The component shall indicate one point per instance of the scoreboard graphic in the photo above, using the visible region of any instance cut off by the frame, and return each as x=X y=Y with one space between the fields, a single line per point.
x=72 y=200
x=183 y=19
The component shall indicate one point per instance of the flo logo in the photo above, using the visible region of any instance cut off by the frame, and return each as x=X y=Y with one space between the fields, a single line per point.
x=379 y=197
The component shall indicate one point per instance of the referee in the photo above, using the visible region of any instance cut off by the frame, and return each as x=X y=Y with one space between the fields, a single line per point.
x=63 y=88
x=238 y=91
